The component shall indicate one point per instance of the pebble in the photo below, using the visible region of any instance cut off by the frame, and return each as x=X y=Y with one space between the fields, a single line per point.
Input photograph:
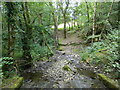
x=56 y=73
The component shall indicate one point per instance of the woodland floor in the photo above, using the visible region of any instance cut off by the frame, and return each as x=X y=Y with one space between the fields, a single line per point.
x=51 y=73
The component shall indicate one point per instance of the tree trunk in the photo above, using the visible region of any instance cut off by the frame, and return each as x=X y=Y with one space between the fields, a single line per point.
x=64 y=15
x=56 y=31
x=74 y=23
x=11 y=27
x=55 y=19
x=26 y=36
x=87 y=8
x=94 y=21
x=78 y=26
x=65 y=36
x=9 y=41
x=69 y=26
x=41 y=18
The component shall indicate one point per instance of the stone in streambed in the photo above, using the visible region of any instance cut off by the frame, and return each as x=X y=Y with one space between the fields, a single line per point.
x=67 y=68
x=60 y=49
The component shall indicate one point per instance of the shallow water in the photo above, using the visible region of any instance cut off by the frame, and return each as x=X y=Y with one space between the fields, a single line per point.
x=50 y=74
x=35 y=80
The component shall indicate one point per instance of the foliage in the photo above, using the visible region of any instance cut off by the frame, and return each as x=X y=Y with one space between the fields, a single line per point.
x=6 y=65
x=1 y=73
x=42 y=35
x=105 y=51
x=27 y=31
x=67 y=68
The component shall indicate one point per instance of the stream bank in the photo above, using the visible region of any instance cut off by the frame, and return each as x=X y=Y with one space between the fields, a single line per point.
x=64 y=69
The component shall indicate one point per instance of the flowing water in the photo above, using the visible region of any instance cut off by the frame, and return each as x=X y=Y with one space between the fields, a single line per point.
x=50 y=74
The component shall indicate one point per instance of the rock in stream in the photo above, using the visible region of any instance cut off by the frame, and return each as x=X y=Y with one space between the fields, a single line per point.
x=50 y=74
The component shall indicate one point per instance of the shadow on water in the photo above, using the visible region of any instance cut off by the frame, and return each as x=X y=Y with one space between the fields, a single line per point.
x=87 y=73
x=35 y=80
x=79 y=78
x=33 y=76
x=95 y=83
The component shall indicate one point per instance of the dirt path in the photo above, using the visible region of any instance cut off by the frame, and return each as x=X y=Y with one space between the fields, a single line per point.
x=72 y=44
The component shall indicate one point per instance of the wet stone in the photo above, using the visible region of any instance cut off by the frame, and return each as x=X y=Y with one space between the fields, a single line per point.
x=54 y=76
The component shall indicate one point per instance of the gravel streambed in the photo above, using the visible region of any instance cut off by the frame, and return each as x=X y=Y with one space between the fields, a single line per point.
x=51 y=74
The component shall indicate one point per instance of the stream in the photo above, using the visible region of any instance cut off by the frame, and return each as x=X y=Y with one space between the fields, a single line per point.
x=50 y=74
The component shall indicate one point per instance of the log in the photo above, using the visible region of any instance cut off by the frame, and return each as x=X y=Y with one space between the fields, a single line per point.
x=108 y=82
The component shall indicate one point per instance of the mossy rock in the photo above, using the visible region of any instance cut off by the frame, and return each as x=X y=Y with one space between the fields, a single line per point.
x=70 y=62
x=55 y=86
x=13 y=83
x=67 y=68
x=108 y=82
x=60 y=49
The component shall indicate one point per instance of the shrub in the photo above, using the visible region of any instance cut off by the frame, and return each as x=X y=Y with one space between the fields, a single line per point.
x=6 y=65
x=106 y=50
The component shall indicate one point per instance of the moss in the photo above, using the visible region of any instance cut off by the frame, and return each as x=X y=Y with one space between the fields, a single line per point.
x=13 y=83
x=108 y=82
x=70 y=62
x=18 y=83
x=60 y=49
x=67 y=68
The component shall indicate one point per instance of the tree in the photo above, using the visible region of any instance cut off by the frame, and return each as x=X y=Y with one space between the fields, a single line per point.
x=94 y=21
x=27 y=36
x=55 y=19
x=64 y=11
x=87 y=8
x=11 y=15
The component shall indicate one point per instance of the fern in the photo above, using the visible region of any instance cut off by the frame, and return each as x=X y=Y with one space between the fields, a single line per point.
x=104 y=50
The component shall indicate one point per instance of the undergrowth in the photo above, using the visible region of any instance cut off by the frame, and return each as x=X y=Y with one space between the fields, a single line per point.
x=104 y=52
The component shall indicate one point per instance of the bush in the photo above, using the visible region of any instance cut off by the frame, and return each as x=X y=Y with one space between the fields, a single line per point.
x=7 y=66
x=105 y=52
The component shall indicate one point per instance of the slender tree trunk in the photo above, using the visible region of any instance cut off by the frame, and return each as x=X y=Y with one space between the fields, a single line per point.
x=119 y=15
x=56 y=32
x=9 y=47
x=49 y=19
x=55 y=19
x=45 y=40
x=64 y=15
x=94 y=21
x=41 y=18
x=74 y=23
x=87 y=8
x=78 y=25
x=69 y=26
x=65 y=36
